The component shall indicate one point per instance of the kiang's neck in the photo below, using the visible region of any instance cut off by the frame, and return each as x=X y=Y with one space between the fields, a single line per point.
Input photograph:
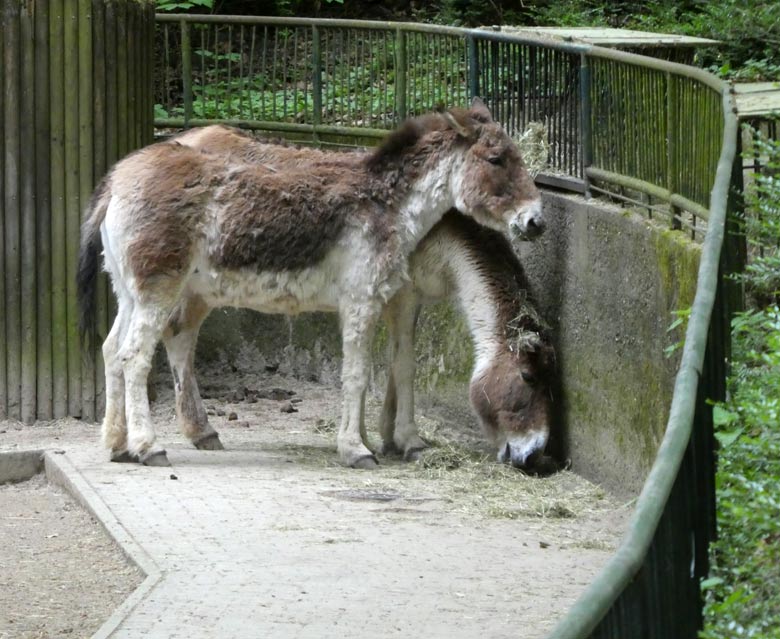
x=479 y=303
x=426 y=202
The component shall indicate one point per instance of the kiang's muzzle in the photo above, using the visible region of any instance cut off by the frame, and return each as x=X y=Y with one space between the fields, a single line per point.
x=528 y=223
x=523 y=451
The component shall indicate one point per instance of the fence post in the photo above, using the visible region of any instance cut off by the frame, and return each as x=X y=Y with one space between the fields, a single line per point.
x=471 y=42
x=672 y=170
x=186 y=70
x=586 y=125
x=400 y=74
x=316 y=79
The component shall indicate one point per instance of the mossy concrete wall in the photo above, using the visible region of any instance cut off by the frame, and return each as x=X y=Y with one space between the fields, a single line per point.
x=609 y=281
x=606 y=280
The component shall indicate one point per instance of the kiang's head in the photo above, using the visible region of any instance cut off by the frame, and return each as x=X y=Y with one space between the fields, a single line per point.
x=512 y=399
x=494 y=186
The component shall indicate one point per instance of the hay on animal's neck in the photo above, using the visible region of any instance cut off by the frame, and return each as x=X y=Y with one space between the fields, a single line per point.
x=525 y=329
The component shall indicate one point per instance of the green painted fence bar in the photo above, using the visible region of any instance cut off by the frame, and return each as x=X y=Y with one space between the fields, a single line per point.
x=60 y=58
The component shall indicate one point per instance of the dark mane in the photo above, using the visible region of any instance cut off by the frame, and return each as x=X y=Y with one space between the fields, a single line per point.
x=403 y=138
x=494 y=256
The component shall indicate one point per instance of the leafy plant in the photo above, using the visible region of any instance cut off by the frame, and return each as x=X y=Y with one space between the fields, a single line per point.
x=742 y=594
x=172 y=6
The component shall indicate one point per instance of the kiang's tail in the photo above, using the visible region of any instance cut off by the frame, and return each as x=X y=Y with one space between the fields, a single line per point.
x=89 y=258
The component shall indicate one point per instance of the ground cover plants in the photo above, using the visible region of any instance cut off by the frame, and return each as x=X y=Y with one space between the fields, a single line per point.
x=743 y=591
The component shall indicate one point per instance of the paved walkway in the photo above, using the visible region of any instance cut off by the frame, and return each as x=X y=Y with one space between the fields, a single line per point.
x=250 y=544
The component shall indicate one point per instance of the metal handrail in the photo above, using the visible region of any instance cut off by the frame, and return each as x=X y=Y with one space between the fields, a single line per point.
x=667 y=192
x=594 y=603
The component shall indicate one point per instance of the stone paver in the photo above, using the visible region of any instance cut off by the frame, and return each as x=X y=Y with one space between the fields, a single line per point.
x=250 y=544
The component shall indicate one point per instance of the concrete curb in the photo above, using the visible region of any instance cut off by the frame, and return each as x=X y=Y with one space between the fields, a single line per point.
x=60 y=471
x=16 y=466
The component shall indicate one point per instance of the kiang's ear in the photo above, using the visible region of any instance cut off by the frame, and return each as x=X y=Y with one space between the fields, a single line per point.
x=459 y=123
x=479 y=110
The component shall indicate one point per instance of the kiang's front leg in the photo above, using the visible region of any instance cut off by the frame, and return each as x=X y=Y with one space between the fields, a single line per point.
x=397 y=425
x=357 y=325
x=180 y=338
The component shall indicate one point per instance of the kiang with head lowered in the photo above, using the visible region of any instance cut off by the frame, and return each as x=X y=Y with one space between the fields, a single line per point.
x=514 y=371
x=184 y=230
x=459 y=258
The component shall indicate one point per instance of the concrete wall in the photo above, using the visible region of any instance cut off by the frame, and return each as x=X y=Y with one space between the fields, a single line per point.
x=606 y=280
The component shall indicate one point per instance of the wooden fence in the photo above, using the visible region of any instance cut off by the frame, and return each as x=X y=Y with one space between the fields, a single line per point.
x=77 y=95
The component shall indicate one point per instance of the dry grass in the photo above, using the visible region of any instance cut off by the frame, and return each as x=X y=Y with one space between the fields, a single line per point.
x=534 y=147
x=476 y=484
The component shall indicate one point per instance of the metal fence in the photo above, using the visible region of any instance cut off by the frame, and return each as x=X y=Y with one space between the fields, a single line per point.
x=646 y=133
x=656 y=135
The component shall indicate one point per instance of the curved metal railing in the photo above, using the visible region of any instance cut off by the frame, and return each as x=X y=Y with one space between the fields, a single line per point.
x=656 y=134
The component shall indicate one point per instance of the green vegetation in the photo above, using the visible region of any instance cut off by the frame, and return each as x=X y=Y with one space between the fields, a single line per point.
x=749 y=30
x=743 y=597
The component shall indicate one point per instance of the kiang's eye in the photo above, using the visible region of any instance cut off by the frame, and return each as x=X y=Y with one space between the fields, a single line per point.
x=528 y=378
x=498 y=160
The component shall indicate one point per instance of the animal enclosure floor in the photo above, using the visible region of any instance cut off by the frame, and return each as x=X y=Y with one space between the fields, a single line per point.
x=273 y=538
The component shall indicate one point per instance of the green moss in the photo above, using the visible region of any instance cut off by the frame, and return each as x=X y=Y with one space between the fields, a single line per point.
x=678 y=267
x=444 y=349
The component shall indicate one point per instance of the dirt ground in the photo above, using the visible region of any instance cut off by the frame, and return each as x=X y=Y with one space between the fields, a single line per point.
x=61 y=577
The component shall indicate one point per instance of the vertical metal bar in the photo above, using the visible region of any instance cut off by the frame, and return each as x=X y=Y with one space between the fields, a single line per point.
x=186 y=70
x=473 y=67
x=215 y=79
x=28 y=255
x=12 y=208
x=295 y=72
x=241 y=78
x=672 y=128
x=316 y=79
x=275 y=88
x=385 y=57
x=250 y=75
x=229 y=91
x=400 y=74
x=43 y=214
x=586 y=131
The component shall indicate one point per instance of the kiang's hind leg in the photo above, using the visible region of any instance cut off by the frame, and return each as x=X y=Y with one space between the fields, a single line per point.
x=180 y=338
x=397 y=425
x=145 y=327
x=114 y=430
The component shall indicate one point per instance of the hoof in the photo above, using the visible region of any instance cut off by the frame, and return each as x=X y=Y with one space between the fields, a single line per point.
x=389 y=448
x=209 y=442
x=366 y=462
x=157 y=458
x=124 y=457
x=413 y=454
